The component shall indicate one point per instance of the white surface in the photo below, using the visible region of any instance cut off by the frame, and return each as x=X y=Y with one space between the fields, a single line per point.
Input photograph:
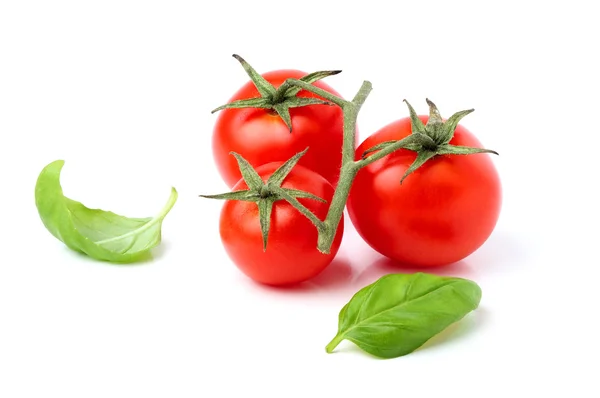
x=122 y=91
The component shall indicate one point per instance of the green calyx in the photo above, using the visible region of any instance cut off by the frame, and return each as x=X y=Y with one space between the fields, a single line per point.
x=265 y=194
x=281 y=99
x=429 y=140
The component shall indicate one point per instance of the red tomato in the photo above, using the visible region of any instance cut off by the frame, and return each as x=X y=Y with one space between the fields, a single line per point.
x=291 y=254
x=440 y=214
x=261 y=136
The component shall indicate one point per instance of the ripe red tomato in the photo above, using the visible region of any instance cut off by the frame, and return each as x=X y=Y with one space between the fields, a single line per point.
x=291 y=255
x=440 y=214
x=261 y=136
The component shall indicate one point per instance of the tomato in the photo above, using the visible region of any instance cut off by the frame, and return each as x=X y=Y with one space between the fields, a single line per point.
x=440 y=214
x=291 y=255
x=261 y=136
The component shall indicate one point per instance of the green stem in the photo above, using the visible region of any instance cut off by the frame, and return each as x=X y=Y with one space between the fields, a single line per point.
x=349 y=167
x=313 y=89
x=336 y=208
x=279 y=95
x=351 y=110
x=334 y=343
x=363 y=93
x=301 y=208
x=385 y=151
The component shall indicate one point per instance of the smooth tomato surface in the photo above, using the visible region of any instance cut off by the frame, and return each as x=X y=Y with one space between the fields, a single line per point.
x=440 y=214
x=291 y=255
x=261 y=136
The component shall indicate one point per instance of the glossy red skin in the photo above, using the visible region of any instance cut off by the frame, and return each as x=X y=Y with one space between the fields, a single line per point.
x=291 y=256
x=439 y=215
x=261 y=136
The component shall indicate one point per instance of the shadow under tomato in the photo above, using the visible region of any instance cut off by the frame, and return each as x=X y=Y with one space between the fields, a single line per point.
x=336 y=276
x=384 y=266
x=503 y=252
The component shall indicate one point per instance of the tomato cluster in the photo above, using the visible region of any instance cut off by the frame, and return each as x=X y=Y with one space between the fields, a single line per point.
x=426 y=204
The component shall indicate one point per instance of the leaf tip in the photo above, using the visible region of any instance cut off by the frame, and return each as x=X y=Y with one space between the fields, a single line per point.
x=57 y=163
x=53 y=167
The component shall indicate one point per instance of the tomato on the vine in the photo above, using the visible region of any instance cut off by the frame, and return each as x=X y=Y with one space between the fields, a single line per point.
x=261 y=135
x=441 y=213
x=291 y=254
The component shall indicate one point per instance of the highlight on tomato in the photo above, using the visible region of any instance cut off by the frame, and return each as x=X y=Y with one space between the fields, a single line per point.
x=431 y=204
x=266 y=122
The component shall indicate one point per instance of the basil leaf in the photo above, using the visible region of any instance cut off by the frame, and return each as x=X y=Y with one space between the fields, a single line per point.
x=399 y=312
x=102 y=235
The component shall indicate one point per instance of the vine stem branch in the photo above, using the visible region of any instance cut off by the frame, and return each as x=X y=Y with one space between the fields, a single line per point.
x=349 y=167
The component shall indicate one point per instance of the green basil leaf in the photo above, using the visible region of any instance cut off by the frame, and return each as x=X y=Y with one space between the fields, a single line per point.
x=399 y=312
x=102 y=235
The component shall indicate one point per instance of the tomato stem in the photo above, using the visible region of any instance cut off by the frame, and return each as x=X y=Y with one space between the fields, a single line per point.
x=282 y=193
x=313 y=89
x=266 y=193
x=277 y=100
x=349 y=167
x=427 y=140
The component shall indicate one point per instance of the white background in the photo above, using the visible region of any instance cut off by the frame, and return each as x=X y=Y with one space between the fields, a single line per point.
x=122 y=91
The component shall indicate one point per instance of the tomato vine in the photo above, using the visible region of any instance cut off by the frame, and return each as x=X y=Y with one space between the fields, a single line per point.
x=427 y=140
